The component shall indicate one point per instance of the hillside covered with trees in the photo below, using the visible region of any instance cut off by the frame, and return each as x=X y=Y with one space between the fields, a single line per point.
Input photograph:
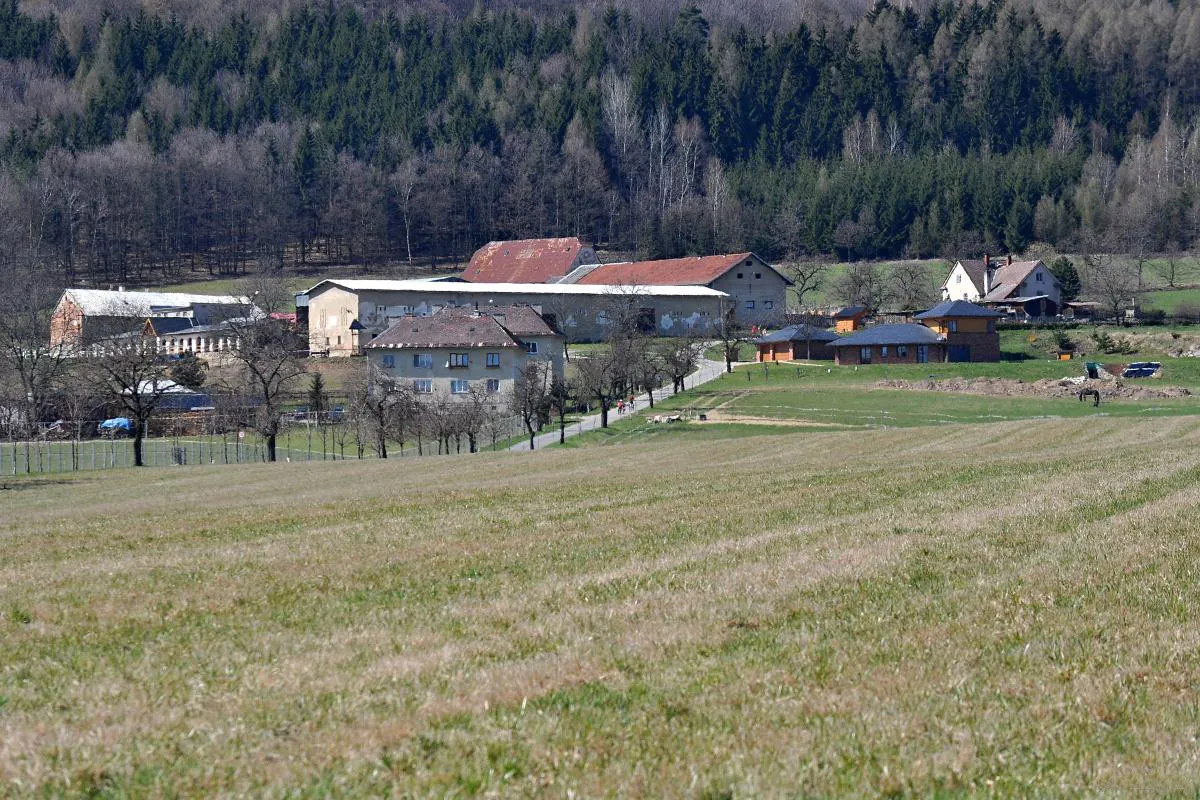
x=136 y=144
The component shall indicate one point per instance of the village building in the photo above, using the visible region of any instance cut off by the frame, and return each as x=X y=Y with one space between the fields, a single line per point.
x=178 y=335
x=897 y=343
x=757 y=290
x=528 y=260
x=458 y=351
x=969 y=330
x=345 y=315
x=83 y=316
x=851 y=318
x=1019 y=289
x=796 y=343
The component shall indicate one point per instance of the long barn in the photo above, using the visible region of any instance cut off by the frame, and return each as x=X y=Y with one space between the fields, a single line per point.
x=344 y=315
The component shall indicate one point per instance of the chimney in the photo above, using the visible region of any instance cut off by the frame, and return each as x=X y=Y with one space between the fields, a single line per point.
x=988 y=273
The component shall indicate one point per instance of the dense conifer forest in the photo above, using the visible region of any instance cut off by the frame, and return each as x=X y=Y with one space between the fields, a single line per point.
x=139 y=141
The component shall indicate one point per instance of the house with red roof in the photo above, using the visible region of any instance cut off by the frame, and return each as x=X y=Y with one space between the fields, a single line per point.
x=528 y=260
x=1026 y=289
x=757 y=290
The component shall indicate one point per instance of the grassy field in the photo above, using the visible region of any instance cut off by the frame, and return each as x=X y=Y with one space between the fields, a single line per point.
x=1170 y=300
x=1000 y=609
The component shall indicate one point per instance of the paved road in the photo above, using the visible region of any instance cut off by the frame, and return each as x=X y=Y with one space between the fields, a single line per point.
x=707 y=371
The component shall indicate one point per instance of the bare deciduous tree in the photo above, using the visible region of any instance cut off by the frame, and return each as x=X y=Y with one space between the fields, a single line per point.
x=680 y=357
x=529 y=398
x=1115 y=282
x=130 y=373
x=270 y=356
x=27 y=362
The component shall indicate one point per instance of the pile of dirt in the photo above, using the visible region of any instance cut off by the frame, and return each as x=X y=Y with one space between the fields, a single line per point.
x=1050 y=387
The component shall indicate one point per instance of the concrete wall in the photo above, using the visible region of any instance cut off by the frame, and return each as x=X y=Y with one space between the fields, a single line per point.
x=579 y=317
x=752 y=281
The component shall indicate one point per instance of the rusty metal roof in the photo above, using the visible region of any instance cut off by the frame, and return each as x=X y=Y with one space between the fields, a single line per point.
x=524 y=260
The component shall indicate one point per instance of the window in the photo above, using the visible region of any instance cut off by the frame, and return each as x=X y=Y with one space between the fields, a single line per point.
x=864 y=355
x=531 y=348
x=922 y=354
x=749 y=304
x=460 y=360
x=493 y=359
x=952 y=325
x=901 y=351
x=423 y=386
x=460 y=387
x=389 y=361
x=768 y=304
x=422 y=360
x=1039 y=276
x=493 y=385
x=757 y=275
x=739 y=276
x=381 y=310
x=883 y=351
x=958 y=278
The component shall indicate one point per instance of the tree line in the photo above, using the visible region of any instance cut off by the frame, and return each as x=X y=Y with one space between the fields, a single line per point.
x=138 y=147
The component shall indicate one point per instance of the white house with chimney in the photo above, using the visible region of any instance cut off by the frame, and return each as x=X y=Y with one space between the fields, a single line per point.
x=1026 y=289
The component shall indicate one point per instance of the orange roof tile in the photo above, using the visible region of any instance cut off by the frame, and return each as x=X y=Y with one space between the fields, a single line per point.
x=523 y=260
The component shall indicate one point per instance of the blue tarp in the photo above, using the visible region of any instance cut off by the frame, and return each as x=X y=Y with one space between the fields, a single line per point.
x=1141 y=369
x=117 y=424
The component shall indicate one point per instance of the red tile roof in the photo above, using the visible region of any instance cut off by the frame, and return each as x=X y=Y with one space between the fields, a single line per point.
x=523 y=261
x=690 y=271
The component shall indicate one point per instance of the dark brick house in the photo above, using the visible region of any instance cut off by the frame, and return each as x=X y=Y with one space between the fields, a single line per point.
x=969 y=330
x=901 y=343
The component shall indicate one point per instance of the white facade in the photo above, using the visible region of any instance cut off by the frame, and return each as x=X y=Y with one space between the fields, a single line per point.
x=959 y=286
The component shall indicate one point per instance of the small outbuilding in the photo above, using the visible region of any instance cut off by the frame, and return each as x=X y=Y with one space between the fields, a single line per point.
x=796 y=343
x=851 y=318
x=901 y=343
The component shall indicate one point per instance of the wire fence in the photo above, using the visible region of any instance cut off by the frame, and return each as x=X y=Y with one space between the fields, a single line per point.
x=294 y=444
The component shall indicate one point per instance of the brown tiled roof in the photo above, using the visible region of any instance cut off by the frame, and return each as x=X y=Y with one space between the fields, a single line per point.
x=520 y=320
x=498 y=326
x=1008 y=280
x=450 y=327
x=523 y=260
x=690 y=271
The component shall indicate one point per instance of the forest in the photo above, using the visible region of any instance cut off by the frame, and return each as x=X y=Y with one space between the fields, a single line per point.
x=142 y=141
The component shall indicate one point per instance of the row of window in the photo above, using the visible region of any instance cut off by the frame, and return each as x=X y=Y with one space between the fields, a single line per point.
x=425 y=386
x=457 y=360
x=767 y=304
x=865 y=353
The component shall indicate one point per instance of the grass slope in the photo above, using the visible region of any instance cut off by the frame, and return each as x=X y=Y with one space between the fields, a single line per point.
x=1000 y=608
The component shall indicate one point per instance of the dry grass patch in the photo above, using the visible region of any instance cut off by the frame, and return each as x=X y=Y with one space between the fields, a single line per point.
x=999 y=609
